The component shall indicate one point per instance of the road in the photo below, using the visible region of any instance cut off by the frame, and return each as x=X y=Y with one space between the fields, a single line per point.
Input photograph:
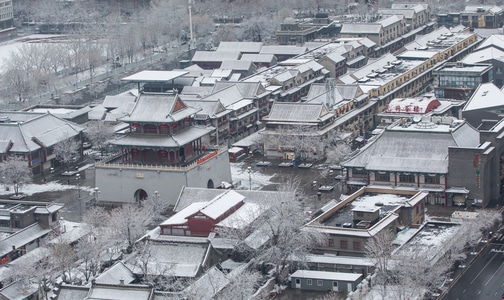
x=483 y=278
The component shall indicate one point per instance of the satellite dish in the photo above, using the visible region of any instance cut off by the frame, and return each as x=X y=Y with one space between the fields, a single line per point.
x=417 y=119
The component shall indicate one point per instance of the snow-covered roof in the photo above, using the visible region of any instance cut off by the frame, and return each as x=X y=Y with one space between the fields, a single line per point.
x=120 y=292
x=419 y=149
x=36 y=129
x=416 y=105
x=336 y=276
x=243 y=216
x=483 y=55
x=22 y=237
x=297 y=112
x=221 y=204
x=215 y=56
x=487 y=95
x=48 y=209
x=259 y=58
x=247 y=47
x=339 y=260
x=390 y=20
x=154 y=76
x=173 y=259
x=181 y=217
x=283 y=50
x=180 y=138
x=236 y=65
x=115 y=101
x=115 y=274
x=495 y=40
x=72 y=292
x=360 y=28
x=159 y=107
x=208 y=285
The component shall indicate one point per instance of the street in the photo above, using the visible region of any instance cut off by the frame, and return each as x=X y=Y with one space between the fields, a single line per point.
x=483 y=278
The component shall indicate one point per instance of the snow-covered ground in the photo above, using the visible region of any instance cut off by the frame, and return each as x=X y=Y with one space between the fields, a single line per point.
x=257 y=180
x=54 y=186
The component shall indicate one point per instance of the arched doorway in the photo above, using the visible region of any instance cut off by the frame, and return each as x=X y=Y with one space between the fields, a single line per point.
x=210 y=184
x=140 y=195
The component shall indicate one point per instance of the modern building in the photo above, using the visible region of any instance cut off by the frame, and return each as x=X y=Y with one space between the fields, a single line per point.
x=351 y=222
x=490 y=51
x=459 y=80
x=293 y=32
x=6 y=15
x=486 y=104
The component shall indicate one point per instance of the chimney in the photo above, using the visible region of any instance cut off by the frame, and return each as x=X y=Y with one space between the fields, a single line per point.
x=121 y=281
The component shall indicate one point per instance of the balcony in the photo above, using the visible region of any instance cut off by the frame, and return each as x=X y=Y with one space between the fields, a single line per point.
x=113 y=162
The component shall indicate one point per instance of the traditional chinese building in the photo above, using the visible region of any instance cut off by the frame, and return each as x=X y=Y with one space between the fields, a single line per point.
x=162 y=152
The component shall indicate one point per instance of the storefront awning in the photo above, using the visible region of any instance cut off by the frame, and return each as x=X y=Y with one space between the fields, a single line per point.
x=457 y=190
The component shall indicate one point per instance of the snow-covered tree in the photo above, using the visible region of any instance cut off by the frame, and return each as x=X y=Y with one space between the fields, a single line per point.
x=67 y=150
x=242 y=286
x=379 y=249
x=128 y=223
x=281 y=226
x=62 y=258
x=15 y=172
x=99 y=132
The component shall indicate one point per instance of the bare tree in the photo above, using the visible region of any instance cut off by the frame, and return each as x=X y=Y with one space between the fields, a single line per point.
x=16 y=172
x=67 y=150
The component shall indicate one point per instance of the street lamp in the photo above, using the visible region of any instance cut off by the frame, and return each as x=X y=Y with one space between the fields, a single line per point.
x=96 y=193
x=249 y=170
x=77 y=176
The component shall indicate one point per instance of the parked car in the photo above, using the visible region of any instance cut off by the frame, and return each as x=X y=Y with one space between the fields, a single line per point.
x=86 y=145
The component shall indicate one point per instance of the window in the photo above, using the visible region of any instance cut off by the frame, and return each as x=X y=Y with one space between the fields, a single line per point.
x=407 y=178
x=360 y=214
x=432 y=179
x=343 y=244
x=382 y=177
x=309 y=282
x=356 y=245
x=320 y=283
x=331 y=243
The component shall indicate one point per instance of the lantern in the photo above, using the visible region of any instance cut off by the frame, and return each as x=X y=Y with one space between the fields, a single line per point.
x=134 y=151
x=136 y=125
x=164 y=126
x=187 y=119
x=173 y=125
x=163 y=152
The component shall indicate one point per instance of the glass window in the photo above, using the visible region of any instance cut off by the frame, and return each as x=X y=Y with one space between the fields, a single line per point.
x=407 y=178
x=343 y=244
x=382 y=177
x=432 y=179
x=308 y=281
x=356 y=245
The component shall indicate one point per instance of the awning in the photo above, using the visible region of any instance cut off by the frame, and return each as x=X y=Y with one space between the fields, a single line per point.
x=432 y=189
x=356 y=182
x=457 y=190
